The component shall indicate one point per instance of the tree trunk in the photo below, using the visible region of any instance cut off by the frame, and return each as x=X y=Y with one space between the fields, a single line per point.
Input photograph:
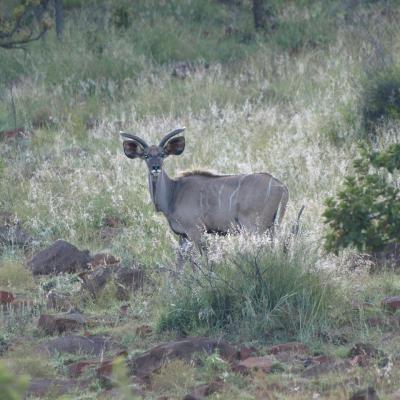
x=59 y=14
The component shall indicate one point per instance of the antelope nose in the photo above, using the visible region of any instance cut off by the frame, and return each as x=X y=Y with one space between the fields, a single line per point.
x=155 y=169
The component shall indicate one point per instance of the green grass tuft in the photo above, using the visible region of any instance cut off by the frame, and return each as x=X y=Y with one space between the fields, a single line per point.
x=258 y=294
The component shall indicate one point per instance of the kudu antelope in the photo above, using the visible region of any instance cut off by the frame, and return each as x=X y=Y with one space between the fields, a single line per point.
x=197 y=202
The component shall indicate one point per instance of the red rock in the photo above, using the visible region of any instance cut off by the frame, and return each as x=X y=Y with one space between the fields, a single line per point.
x=144 y=331
x=264 y=364
x=391 y=303
x=6 y=297
x=60 y=323
x=103 y=259
x=105 y=369
x=13 y=133
x=246 y=352
x=290 y=347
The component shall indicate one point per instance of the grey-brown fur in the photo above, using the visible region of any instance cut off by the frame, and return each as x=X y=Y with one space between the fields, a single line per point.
x=199 y=201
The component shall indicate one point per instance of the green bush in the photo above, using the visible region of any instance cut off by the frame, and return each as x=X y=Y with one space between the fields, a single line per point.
x=381 y=99
x=253 y=294
x=366 y=212
x=11 y=386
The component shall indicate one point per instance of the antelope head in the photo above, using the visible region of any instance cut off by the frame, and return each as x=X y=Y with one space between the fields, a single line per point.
x=153 y=155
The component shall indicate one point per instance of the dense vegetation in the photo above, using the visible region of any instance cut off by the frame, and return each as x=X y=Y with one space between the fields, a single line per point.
x=310 y=95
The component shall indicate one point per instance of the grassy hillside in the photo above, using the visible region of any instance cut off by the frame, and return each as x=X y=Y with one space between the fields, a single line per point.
x=288 y=100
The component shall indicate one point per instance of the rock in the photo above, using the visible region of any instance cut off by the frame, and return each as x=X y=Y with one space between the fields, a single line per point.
x=102 y=260
x=144 y=365
x=365 y=394
x=128 y=280
x=95 y=281
x=263 y=364
x=144 y=331
x=290 y=347
x=203 y=391
x=75 y=344
x=391 y=303
x=61 y=323
x=40 y=387
x=60 y=257
x=246 y=352
x=6 y=297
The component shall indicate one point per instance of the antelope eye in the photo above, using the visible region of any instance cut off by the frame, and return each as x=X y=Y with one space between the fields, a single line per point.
x=146 y=156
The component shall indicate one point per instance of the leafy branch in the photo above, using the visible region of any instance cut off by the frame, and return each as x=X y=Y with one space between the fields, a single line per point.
x=28 y=22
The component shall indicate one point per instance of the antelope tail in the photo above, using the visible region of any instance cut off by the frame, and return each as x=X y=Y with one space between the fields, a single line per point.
x=296 y=225
x=283 y=204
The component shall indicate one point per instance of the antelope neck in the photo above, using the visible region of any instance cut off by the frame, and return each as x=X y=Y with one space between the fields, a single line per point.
x=161 y=189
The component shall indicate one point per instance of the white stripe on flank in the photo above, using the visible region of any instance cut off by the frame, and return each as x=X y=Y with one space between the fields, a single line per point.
x=269 y=190
x=235 y=191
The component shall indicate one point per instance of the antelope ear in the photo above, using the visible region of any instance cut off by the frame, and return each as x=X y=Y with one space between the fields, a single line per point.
x=175 y=146
x=132 y=149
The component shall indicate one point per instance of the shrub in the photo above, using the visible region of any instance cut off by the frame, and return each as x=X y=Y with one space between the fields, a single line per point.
x=252 y=294
x=11 y=386
x=14 y=275
x=366 y=212
x=381 y=99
